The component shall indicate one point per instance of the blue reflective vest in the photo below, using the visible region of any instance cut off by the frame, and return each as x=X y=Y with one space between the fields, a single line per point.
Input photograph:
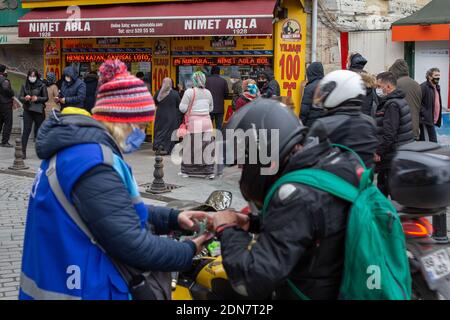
x=59 y=260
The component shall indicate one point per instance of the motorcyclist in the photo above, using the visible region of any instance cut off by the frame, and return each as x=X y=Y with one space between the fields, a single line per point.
x=341 y=95
x=302 y=235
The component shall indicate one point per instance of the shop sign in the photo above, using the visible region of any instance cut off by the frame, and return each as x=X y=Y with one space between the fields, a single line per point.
x=223 y=43
x=100 y=57
x=222 y=61
x=160 y=63
x=144 y=27
x=108 y=41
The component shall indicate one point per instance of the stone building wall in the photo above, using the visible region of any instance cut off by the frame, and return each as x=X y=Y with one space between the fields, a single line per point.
x=337 y=16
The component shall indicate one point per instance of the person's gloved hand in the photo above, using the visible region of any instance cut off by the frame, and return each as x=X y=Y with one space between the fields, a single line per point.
x=186 y=219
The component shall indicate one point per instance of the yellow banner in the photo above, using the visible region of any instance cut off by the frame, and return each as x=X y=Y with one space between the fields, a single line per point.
x=52 y=57
x=290 y=52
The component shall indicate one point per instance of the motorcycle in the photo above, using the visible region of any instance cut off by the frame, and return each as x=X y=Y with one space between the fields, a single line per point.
x=420 y=180
x=419 y=183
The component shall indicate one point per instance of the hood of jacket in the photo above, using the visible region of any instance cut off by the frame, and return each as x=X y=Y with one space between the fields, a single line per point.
x=64 y=131
x=71 y=72
x=400 y=68
x=315 y=72
x=357 y=62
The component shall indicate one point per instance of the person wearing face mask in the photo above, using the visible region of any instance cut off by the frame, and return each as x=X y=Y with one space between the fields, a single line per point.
x=73 y=90
x=85 y=216
x=33 y=95
x=236 y=87
x=267 y=84
x=431 y=109
x=394 y=126
x=6 y=107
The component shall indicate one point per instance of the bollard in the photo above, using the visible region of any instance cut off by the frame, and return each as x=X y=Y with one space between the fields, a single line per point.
x=158 y=185
x=18 y=164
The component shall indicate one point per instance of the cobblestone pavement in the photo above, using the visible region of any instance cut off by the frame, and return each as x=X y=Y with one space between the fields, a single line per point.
x=13 y=205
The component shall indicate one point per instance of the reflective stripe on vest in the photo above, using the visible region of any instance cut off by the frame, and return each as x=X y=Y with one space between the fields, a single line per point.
x=30 y=288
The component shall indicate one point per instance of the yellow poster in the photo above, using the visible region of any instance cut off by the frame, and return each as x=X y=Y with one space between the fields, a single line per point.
x=161 y=62
x=52 y=57
x=290 y=51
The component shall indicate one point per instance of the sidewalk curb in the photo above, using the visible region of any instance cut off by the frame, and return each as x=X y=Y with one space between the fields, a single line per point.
x=32 y=174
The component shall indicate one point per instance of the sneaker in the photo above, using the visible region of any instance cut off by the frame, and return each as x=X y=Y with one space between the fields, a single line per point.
x=183 y=175
x=6 y=145
x=210 y=177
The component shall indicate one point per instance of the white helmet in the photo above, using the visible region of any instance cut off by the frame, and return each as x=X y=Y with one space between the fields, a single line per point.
x=338 y=87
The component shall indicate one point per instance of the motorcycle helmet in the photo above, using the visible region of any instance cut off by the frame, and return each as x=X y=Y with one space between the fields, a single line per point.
x=338 y=88
x=262 y=124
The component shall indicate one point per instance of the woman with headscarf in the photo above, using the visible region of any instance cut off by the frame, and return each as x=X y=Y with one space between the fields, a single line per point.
x=251 y=92
x=197 y=103
x=52 y=92
x=168 y=117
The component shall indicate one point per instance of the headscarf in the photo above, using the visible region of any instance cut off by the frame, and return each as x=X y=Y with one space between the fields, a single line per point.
x=51 y=78
x=251 y=90
x=199 y=79
x=166 y=87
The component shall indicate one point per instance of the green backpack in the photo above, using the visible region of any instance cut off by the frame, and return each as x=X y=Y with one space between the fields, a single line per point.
x=376 y=264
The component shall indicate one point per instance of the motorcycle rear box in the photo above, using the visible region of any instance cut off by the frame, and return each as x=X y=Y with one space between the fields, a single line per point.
x=420 y=176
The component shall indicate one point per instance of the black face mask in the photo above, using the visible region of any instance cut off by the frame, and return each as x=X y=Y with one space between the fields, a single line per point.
x=435 y=80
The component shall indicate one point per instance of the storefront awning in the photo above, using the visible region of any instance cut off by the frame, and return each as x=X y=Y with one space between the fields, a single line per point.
x=219 y=18
x=431 y=23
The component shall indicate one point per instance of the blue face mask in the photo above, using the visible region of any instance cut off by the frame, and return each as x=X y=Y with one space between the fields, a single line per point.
x=134 y=140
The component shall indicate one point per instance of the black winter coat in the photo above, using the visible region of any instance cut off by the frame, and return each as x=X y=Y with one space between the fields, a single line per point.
x=349 y=127
x=219 y=91
x=308 y=114
x=427 y=109
x=6 y=92
x=74 y=92
x=91 y=92
x=394 y=126
x=38 y=89
x=301 y=238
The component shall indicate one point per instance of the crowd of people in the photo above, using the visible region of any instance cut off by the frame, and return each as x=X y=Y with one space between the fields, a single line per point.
x=74 y=228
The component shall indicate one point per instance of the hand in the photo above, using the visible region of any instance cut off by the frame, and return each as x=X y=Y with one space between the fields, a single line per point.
x=34 y=98
x=186 y=219
x=376 y=158
x=56 y=99
x=228 y=217
x=201 y=240
x=62 y=100
x=27 y=97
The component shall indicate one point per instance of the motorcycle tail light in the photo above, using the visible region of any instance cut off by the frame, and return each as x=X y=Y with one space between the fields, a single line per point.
x=417 y=227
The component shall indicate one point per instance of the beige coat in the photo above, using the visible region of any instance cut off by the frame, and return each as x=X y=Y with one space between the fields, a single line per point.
x=53 y=92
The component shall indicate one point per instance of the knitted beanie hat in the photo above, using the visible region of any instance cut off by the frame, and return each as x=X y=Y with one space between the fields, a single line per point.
x=122 y=97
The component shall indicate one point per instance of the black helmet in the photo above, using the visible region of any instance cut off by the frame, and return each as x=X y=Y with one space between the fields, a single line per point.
x=257 y=120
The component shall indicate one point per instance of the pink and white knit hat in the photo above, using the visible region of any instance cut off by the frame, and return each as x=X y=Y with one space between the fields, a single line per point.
x=122 y=97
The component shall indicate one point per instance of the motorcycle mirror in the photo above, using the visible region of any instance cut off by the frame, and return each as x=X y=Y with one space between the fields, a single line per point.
x=220 y=200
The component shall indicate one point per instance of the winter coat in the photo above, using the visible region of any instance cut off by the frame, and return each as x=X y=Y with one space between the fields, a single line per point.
x=74 y=92
x=219 y=90
x=237 y=92
x=292 y=242
x=427 y=106
x=412 y=90
x=92 y=196
x=271 y=88
x=348 y=126
x=91 y=82
x=314 y=74
x=6 y=92
x=52 y=92
x=37 y=89
x=371 y=100
x=394 y=126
